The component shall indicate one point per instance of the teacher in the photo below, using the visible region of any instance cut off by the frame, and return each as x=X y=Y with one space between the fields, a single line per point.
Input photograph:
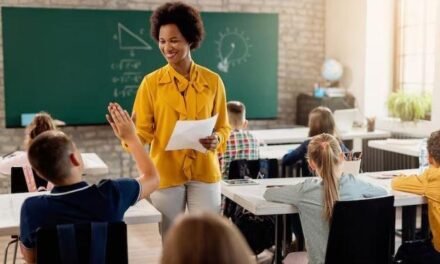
x=181 y=90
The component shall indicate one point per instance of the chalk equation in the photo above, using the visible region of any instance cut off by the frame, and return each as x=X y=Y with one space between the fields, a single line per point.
x=126 y=91
x=126 y=64
x=125 y=79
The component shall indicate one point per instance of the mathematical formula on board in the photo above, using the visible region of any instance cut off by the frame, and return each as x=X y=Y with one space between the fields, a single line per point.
x=126 y=71
x=233 y=47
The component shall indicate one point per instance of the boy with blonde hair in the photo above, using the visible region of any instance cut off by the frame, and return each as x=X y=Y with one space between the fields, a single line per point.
x=428 y=185
x=241 y=144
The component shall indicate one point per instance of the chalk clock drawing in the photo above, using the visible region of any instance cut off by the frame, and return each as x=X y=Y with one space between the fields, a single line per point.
x=232 y=49
x=128 y=40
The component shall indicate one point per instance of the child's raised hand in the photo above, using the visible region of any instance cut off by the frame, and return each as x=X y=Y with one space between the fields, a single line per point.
x=121 y=123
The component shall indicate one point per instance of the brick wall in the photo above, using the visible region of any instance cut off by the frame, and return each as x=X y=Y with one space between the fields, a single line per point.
x=301 y=52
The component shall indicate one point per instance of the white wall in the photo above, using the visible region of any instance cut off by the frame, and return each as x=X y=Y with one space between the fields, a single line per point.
x=360 y=34
x=345 y=34
x=379 y=56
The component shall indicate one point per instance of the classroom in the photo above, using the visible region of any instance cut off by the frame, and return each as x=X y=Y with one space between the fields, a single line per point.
x=219 y=131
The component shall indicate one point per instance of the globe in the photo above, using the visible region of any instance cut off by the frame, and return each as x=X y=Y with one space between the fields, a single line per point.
x=331 y=70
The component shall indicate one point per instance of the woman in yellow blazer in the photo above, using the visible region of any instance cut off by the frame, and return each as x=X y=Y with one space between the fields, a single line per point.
x=181 y=90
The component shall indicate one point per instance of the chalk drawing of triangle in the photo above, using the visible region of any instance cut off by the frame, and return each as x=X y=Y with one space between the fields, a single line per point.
x=128 y=40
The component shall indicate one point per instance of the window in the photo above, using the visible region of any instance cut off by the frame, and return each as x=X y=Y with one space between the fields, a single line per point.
x=415 y=45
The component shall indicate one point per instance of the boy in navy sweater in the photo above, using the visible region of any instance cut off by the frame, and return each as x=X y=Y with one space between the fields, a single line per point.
x=55 y=158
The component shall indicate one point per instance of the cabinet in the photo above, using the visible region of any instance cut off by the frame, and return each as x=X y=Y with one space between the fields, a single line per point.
x=306 y=102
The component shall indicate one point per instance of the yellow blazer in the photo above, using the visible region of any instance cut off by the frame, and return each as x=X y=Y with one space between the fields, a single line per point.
x=164 y=97
x=428 y=185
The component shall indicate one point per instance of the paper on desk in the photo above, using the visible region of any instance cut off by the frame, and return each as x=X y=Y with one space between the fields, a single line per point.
x=186 y=134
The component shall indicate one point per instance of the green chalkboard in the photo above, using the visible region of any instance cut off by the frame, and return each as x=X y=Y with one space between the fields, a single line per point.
x=72 y=62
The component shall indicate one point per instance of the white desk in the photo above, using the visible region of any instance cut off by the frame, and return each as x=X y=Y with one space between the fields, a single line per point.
x=408 y=147
x=10 y=205
x=276 y=151
x=300 y=134
x=93 y=165
x=251 y=198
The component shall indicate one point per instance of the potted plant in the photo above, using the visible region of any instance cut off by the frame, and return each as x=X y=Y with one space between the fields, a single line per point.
x=409 y=106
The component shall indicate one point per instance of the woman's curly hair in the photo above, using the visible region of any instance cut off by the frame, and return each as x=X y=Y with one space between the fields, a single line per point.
x=184 y=16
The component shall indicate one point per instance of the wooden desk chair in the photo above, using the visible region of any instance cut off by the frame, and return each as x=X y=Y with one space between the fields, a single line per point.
x=361 y=232
x=83 y=243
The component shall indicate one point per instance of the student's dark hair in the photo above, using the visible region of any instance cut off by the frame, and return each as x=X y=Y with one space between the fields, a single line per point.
x=49 y=154
x=42 y=122
x=321 y=121
x=434 y=146
x=184 y=16
x=236 y=112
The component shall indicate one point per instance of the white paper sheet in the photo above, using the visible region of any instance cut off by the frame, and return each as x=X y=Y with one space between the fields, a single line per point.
x=186 y=134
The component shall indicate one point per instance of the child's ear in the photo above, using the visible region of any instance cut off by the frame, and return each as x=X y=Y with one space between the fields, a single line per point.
x=74 y=160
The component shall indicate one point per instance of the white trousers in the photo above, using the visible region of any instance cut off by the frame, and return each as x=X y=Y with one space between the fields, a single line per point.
x=194 y=195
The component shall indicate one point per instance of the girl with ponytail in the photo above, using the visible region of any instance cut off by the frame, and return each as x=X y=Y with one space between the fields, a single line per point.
x=42 y=122
x=315 y=197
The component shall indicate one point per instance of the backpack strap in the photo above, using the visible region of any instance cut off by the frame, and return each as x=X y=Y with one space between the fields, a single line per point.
x=67 y=244
x=98 y=245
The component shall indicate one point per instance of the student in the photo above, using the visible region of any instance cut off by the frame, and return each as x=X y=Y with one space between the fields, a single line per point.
x=320 y=121
x=41 y=122
x=241 y=144
x=315 y=198
x=427 y=184
x=55 y=158
x=205 y=238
